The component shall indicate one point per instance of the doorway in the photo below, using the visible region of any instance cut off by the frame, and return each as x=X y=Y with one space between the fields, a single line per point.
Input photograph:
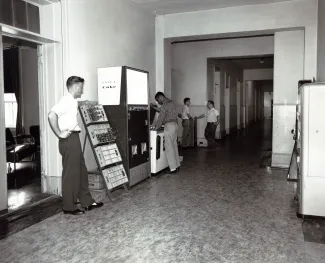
x=22 y=123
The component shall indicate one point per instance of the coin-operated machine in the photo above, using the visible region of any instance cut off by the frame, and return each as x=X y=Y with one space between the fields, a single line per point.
x=310 y=144
x=158 y=157
x=123 y=92
x=293 y=168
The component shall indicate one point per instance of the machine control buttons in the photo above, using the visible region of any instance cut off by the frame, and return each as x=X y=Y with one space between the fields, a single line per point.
x=108 y=155
x=101 y=133
x=93 y=114
x=115 y=176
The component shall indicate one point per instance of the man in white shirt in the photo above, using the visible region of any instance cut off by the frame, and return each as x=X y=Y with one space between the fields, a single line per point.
x=186 y=122
x=213 y=119
x=63 y=122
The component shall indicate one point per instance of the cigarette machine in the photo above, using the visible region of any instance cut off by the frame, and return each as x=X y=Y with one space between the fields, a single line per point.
x=123 y=91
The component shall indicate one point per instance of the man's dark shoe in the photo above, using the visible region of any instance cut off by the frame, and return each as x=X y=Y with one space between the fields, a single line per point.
x=74 y=212
x=93 y=206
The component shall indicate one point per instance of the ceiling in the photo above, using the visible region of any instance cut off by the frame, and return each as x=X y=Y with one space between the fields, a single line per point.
x=161 y=7
x=252 y=63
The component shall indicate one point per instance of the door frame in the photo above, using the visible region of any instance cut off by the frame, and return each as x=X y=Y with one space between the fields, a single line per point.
x=43 y=98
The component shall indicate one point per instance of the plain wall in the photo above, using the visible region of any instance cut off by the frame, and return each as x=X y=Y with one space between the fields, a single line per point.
x=288 y=69
x=268 y=96
x=250 y=101
x=243 y=20
x=321 y=42
x=29 y=86
x=189 y=61
x=258 y=74
x=96 y=34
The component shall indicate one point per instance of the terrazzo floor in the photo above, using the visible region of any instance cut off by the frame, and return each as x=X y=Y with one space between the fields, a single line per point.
x=221 y=207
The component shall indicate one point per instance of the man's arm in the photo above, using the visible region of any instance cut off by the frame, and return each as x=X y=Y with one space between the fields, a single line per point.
x=218 y=119
x=54 y=124
x=218 y=116
x=161 y=118
x=200 y=116
x=155 y=107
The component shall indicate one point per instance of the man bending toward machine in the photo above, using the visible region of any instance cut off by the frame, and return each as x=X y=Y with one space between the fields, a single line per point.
x=168 y=117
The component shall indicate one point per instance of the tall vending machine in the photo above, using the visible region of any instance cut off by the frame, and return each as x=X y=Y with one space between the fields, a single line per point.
x=123 y=92
x=310 y=145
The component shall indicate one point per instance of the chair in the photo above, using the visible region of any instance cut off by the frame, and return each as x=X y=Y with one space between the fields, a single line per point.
x=19 y=148
x=35 y=132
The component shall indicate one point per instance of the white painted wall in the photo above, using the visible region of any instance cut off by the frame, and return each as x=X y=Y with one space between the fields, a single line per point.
x=96 y=34
x=250 y=101
x=189 y=61
x=29 y=85
x=321 y=42
x=288 y=69
x=238 y=90
x=162 y=53
x=228 y=114
x=258 y=74
x=244 y=20
x=268 y=96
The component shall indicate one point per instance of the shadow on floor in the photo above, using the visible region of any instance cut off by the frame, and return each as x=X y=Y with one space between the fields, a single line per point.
x=314 y=230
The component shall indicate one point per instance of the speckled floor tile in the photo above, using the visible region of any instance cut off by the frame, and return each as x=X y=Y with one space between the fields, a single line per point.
x=221 y=207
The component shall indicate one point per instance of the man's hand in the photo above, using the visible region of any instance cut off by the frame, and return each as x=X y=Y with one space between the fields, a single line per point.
x=64 y=134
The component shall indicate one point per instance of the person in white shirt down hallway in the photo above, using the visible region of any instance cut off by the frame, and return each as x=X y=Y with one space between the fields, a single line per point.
x=64 y=123
x=186 y=122
x=213 y=120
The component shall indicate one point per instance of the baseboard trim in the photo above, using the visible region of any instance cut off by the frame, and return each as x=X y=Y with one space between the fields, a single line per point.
x=302 y=216
x=281 y=160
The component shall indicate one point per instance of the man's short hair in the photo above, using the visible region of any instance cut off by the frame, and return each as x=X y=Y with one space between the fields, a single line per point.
x=158 y=94
x=186 y=100
x=211 y=102
x=74 y=80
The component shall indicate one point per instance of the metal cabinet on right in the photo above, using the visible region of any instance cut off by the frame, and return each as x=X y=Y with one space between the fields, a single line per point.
x=311 y=149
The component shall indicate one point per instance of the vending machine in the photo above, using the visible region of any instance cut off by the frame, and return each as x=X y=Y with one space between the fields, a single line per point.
x=310 y=145
x=123 y=92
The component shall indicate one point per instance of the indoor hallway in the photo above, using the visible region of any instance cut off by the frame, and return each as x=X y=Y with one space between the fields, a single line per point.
x=221 y=207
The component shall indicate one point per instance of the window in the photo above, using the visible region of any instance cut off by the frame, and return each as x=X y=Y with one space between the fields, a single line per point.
x=10 y=110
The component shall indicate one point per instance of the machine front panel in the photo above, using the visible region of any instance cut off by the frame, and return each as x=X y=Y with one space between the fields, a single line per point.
x=138 y=132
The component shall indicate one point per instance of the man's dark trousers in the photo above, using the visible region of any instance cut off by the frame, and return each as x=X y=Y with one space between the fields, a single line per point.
x=210 y=134
x=74 y=174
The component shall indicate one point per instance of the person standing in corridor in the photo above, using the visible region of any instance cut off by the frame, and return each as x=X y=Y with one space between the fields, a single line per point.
x=186 y=122
x=213 y=120
x=168 y=117
x=64 y=123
